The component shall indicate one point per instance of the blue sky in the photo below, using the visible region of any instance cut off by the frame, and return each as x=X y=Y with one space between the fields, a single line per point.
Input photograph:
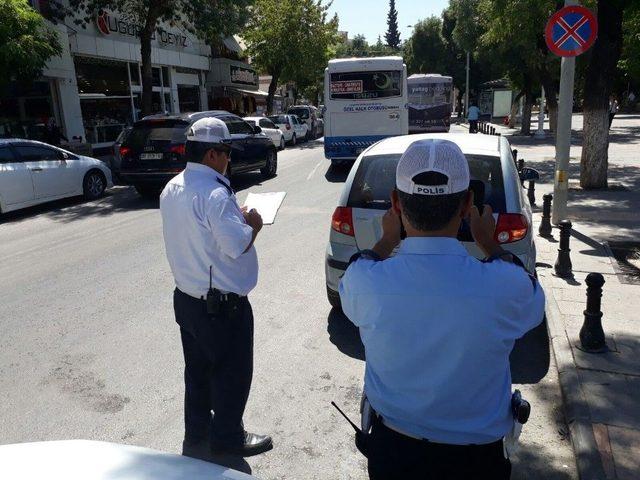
x=369 y=17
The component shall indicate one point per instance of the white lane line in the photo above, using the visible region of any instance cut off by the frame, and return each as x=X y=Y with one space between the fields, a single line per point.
x=314 y=169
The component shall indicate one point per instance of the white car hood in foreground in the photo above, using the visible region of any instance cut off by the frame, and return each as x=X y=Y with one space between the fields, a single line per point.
x=89 y=460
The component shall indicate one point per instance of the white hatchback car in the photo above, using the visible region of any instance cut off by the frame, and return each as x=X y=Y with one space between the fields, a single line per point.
x=357 y=221
x=33 y=172
x=269 y=128
x=293 y=129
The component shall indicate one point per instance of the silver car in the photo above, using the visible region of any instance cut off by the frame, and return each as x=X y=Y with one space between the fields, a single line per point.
x=357 y=221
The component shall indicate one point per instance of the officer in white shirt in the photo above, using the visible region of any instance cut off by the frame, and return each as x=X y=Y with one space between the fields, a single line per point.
x=209 y=244
x=438 y=326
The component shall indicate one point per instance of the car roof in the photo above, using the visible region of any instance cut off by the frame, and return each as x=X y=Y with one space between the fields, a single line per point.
x=8 y=141
x=469 y=143
x=190 y=116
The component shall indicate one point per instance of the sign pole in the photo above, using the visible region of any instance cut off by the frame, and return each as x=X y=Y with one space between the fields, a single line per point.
x=466 y=92
x=540 y=133
x=563 y=136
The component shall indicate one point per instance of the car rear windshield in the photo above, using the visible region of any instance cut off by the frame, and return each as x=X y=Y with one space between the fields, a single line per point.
x=281 y=119
x=376 y=178
x=157 y=132
x=365 y=85
x=301 y=112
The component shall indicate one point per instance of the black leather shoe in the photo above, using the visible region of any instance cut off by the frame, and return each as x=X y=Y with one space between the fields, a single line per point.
x=253 y=445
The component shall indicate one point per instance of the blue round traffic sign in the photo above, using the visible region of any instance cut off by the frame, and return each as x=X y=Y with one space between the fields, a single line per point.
x=571 y=31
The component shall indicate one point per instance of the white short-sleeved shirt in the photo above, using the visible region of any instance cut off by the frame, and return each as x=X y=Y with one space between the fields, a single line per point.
x=203 y=226
x=438 y=326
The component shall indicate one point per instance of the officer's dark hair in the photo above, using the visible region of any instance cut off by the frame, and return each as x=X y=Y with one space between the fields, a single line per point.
x=430 y=212
x=195 y=151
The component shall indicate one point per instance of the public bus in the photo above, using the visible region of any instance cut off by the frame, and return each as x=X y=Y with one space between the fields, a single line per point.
x=365 y=101
x=430 y=102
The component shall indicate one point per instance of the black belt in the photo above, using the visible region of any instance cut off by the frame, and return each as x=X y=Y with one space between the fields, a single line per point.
x=226 y=297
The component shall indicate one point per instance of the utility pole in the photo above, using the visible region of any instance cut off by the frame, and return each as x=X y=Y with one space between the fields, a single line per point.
x=563 y=136
x=540 y=133
x=466 y=92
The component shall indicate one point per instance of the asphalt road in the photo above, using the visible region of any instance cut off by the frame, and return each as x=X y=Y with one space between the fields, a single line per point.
x=89 y=347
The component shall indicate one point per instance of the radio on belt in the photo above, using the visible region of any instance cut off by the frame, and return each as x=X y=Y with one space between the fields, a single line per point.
x=520 y=407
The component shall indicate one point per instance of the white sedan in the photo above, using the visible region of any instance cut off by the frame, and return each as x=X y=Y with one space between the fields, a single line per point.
x=293 y=128
x=33 y=172
x=270 y=129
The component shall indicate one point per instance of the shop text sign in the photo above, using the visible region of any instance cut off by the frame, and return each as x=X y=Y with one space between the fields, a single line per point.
x=108 y=23
x=346 y=86
x=374 y=107
x=245 y=76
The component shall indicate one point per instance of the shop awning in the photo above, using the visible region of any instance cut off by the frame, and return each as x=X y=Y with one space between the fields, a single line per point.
x=257 y=93
x=99 y=96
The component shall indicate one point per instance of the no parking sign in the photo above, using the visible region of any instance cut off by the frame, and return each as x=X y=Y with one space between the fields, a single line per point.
x=571 y=31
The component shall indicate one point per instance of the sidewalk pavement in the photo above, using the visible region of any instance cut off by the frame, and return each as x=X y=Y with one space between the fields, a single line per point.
x=601 y=392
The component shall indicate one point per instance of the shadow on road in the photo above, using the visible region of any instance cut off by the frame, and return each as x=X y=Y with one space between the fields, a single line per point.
x=338 y=173
x=344 y=335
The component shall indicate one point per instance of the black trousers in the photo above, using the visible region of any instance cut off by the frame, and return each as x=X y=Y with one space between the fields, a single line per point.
x=473 y=126
x=395 y=456
x=218 y=357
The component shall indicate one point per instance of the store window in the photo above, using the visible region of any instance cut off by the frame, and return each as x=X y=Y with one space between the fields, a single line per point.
x=165 y=77
x=155 y=75
x=105 y=98
x=25 y=110
x=189 y=98
x=134 y=71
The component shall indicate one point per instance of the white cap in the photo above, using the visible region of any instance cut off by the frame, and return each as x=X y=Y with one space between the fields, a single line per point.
x=433 y=155
x=209 y=130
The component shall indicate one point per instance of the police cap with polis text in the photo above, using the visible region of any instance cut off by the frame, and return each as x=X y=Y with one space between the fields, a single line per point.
x=211 y=131
x=433 y=155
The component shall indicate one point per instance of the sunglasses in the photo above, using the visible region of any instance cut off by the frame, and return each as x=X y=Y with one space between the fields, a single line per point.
x=226 y=151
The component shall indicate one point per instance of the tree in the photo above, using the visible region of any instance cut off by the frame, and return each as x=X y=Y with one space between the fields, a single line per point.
x=204 y=18
x=425 y=50
x=292 y=47
x=601 y=70
x=393 y=33
x=26 y=43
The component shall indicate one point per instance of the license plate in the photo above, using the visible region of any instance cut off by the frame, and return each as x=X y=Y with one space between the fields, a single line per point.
x=150 y=156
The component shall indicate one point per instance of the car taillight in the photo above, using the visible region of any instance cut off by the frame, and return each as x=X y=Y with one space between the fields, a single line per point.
x=179 y=149
x=510 y=227
x=124 y=151
x=342 y=221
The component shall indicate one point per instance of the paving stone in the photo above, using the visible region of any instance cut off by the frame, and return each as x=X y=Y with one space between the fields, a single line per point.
x=625 y=447
x=613 y=398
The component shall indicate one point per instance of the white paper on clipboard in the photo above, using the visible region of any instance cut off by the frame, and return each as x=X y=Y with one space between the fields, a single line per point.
x=267 y=204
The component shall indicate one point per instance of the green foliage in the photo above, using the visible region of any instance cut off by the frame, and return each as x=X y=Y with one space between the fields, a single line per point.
x=425 y=50
x=26 y=43
x=359 y=47
x=393 y=33
x=630 y=62
x=291 y=39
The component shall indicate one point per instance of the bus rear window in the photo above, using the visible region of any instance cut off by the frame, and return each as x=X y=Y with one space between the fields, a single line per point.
x=365 y=85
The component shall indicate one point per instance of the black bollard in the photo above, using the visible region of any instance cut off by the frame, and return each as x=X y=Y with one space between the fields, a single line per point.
x=520 y=164
x=531 y=192
x=591 y=333
x=563 y=265
x=493 y=130
x=545 y=224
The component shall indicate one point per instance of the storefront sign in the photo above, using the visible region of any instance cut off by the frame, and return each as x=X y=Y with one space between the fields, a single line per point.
x=245 y=76
x=108 y=23
x=347 y=86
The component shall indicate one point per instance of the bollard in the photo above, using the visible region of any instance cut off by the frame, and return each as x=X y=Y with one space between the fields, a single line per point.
x=492 y=131
x=591 y=333
x=545 y=224
x=520 y=164
x=563 y=263
x=531 y=192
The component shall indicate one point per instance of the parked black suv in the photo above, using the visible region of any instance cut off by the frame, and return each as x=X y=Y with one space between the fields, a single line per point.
x=152 y=152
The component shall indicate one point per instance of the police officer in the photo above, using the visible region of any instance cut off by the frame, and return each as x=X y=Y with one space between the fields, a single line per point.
x=209 y=244
x=438 y=326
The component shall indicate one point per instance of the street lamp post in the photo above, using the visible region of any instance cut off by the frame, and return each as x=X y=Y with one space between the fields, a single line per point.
x=466 y=92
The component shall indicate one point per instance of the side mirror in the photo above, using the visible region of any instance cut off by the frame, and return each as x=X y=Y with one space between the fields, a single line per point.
x=63 y=156
x=528 y=173
x=257 y=130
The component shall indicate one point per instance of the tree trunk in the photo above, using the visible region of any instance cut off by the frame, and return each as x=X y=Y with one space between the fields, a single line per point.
x=273 y=86
x=514 y=110
x=525 y=129
x=145 y=52
x=551 y=95
x=597 y=88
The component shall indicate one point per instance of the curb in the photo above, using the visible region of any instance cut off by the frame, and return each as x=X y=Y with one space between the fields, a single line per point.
x=576 y=407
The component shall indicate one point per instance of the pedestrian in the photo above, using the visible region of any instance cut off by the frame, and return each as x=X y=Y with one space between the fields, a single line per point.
x=473 y=115
x=209 y=244
x=438 y=326
x=53 y=134
x=613 y=109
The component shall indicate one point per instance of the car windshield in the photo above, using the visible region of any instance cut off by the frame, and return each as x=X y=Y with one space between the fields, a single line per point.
x=250 y=122
x=376 y=178
x=156 y=132
x=300 y=112
x=281 y=119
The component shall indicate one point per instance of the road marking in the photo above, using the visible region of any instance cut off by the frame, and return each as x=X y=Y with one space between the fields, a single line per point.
x=314 y=169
